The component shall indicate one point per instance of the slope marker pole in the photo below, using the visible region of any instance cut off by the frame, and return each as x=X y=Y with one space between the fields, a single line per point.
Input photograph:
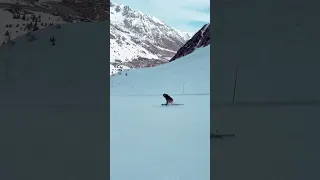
x=183 y=88
x=235 y=84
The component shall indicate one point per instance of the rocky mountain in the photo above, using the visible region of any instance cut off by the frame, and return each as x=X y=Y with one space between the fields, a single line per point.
x=19 y=17
x=139 y=40
x=200 y=39
x=69 y=10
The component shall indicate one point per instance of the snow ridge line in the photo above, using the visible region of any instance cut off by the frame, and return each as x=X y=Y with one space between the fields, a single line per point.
x=172 y=94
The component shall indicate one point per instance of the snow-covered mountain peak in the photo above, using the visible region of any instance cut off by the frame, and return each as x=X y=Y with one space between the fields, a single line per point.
x=142 y=23
x=139 y=40
x=127 y=12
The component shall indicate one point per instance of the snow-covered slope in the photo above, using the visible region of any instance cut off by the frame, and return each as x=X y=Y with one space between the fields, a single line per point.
x=16 y=16
x=138 y=40
x=277 y=102
x=27 y=62
x=200 y=39
x=26 y=21
x=53 y=104
x=275 y=118
x=150 y=141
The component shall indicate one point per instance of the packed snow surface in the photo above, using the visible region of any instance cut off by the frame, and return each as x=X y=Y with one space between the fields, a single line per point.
x=37 y=68
x=150 y=141
x=53 y=96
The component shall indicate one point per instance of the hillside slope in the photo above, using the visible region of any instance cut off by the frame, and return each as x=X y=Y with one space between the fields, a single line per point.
x=53 y=105
x=200 y=39
x=25 y=61
x=150 y=141
x=275 y=115
x=18 y=17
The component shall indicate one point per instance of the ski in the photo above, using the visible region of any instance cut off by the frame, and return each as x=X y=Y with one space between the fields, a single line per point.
x=172 y=104
x=221 y=135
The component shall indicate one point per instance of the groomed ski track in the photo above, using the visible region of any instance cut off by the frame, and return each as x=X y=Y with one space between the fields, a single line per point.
x=53 y=105
x=151 y=141
x=275 y=115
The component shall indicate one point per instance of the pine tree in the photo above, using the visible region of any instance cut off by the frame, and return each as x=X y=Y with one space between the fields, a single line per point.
x=35 y=27
x=7 y=33
x=29 y=26
x=8 y=36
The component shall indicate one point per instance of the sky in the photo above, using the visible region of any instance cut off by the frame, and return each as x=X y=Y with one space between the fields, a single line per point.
x=184 y=15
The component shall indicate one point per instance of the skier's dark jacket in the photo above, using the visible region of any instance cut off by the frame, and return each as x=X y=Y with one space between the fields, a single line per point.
x=168 y=98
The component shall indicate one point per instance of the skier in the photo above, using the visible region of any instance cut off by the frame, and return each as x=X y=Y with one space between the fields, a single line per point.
x=168 y=99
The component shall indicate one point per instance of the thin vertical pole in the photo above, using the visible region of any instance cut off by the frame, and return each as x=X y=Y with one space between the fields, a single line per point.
x=183 y=88
x=235 y=84
x=6 y=73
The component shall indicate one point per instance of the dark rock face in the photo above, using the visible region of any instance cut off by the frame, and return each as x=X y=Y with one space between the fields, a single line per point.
x=88 y=10
x=200 y=39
